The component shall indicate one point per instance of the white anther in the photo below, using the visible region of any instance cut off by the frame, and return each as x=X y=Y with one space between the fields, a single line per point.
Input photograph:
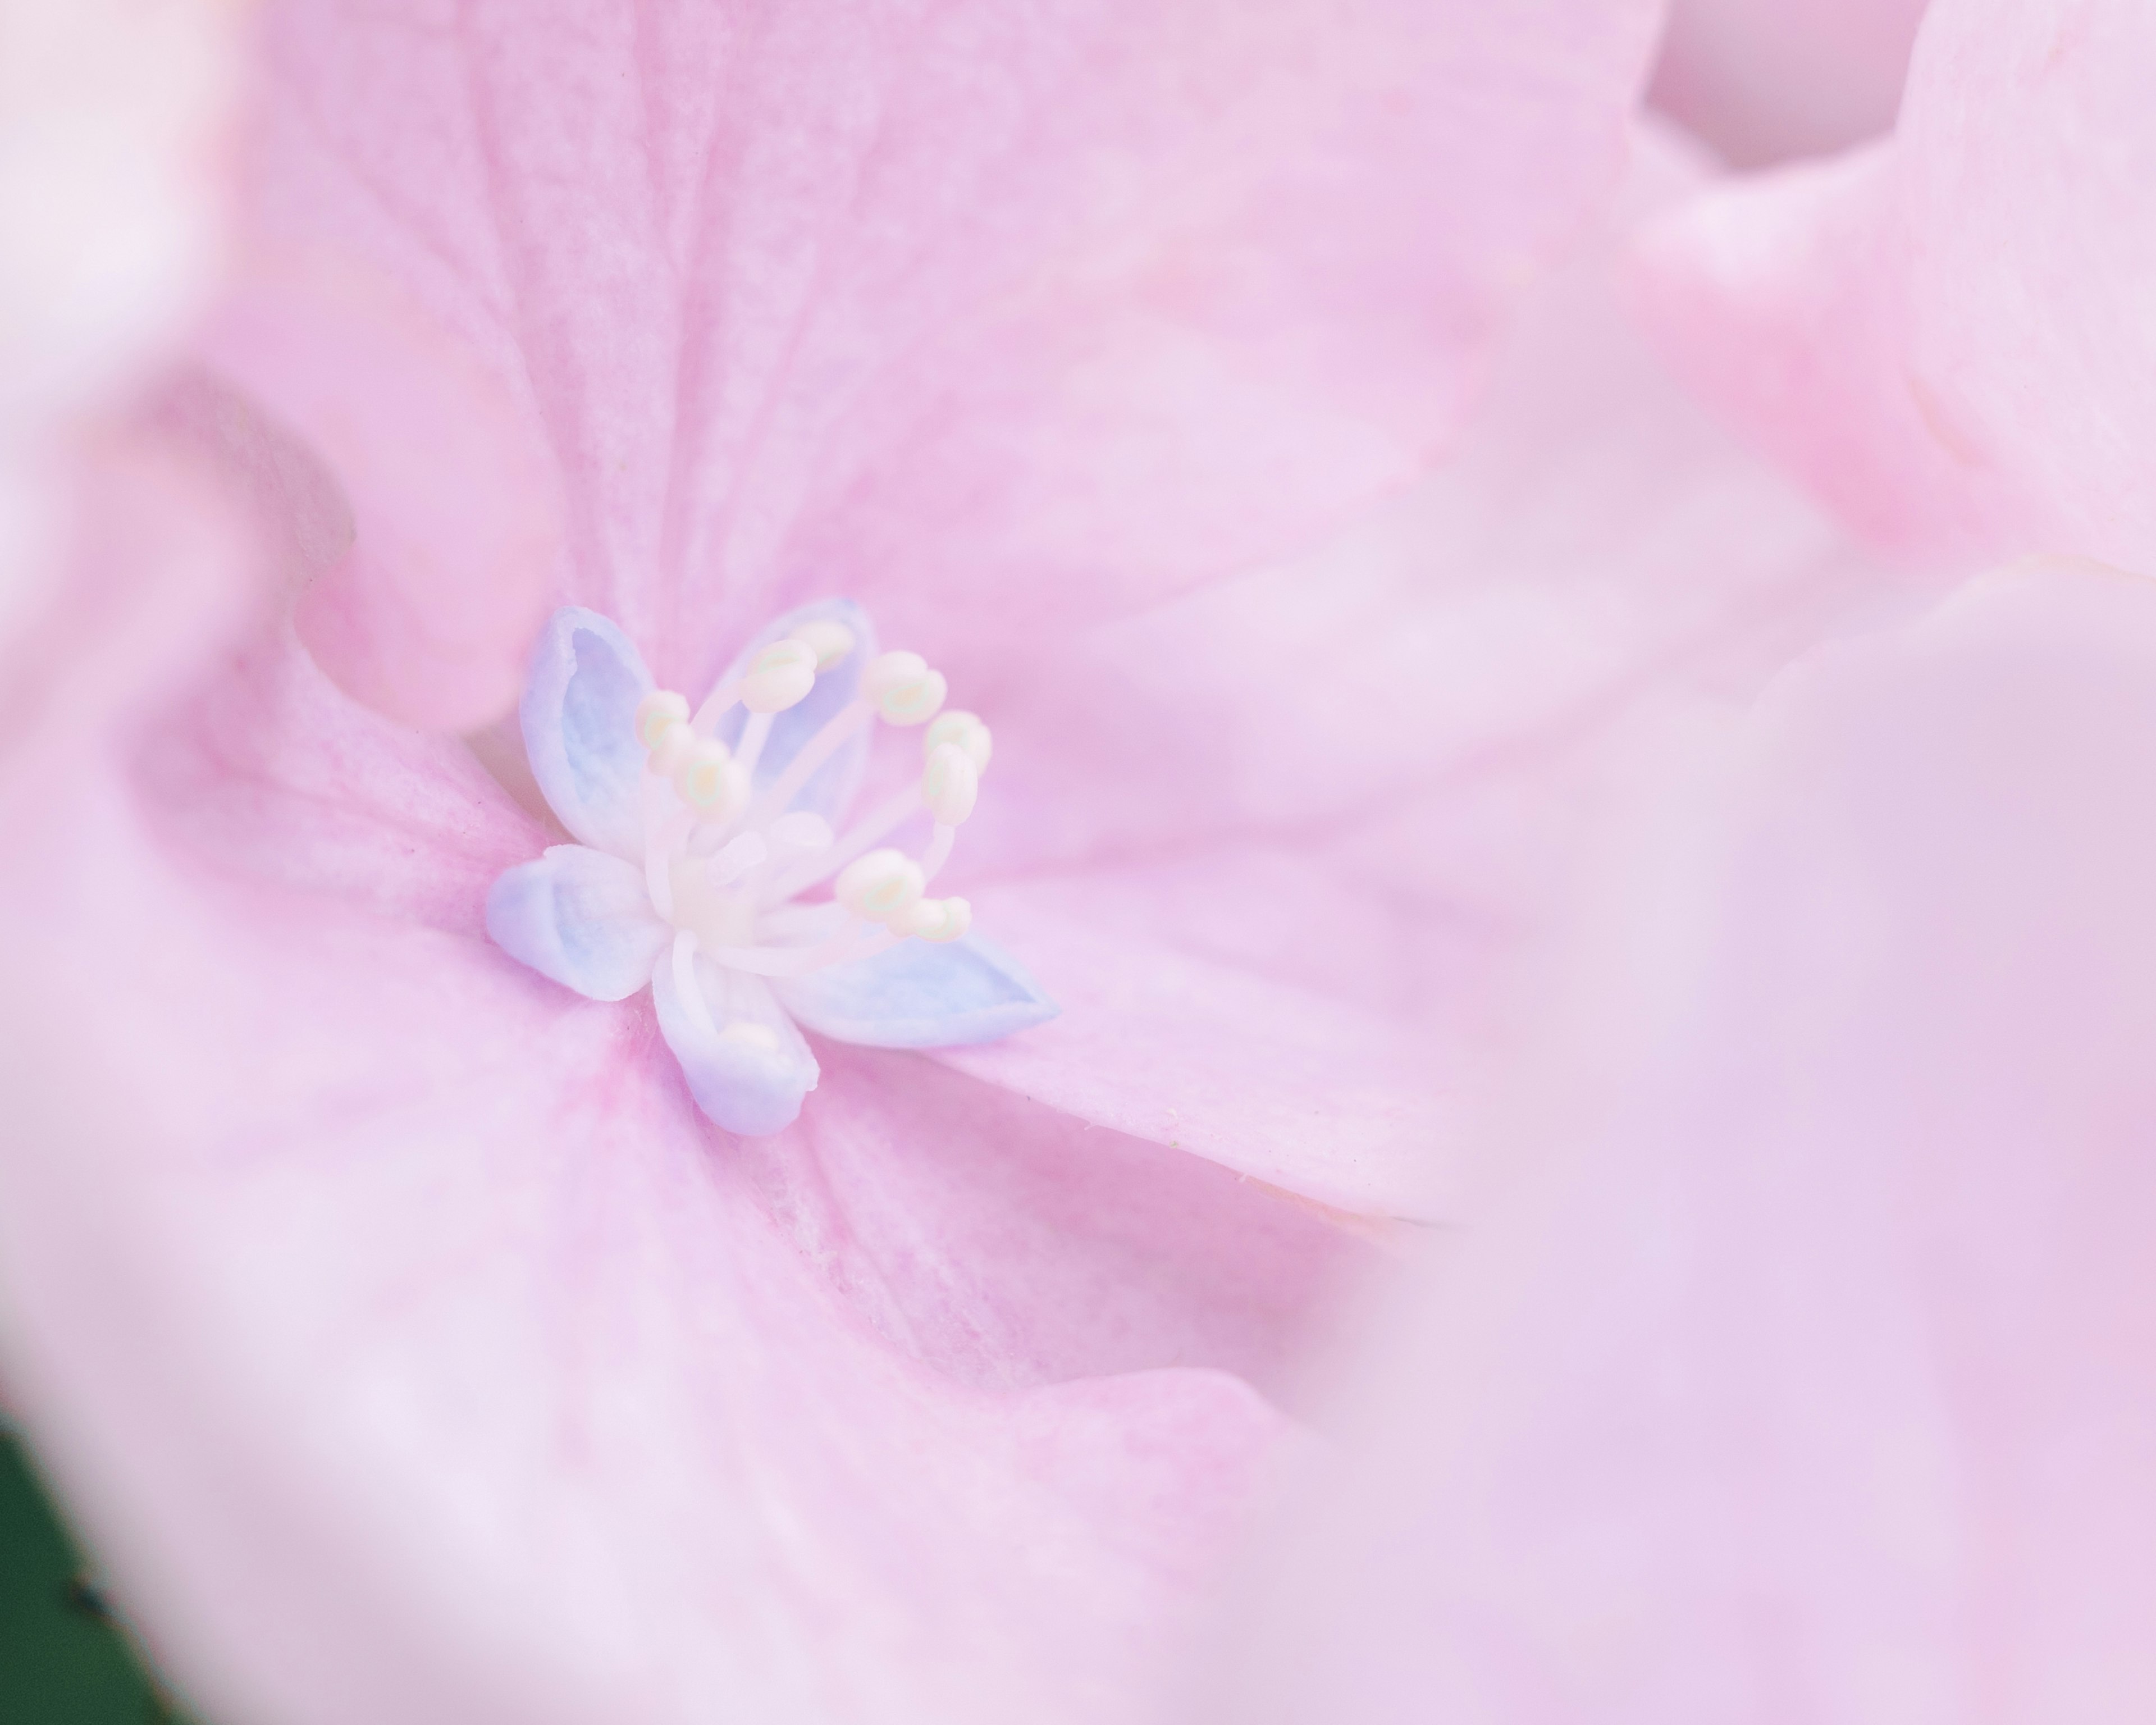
x=903 y=689
x=674 y=744
x=936 y=919
x=881 y=886
x=711 y=781
x=800 y=831
x=950 y=784
x=831 y=642
x=967 y=730
x=778 y=676
x=657 y=714
x=751 y=1034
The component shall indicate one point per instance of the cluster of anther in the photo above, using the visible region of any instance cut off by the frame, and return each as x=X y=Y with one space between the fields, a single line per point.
x=726 y=862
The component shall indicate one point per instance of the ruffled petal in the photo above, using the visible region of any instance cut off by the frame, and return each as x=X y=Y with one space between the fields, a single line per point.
x=830 y=788
x=579 y=717
x=746 y=1065
x=581 y=917
x=920 y=995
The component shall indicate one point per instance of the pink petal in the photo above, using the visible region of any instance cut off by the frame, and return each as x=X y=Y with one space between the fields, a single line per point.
x=1946 y=339
x=1282 y=839
x=1763 y=80
x=928 y=305
x=446 y=550
x=412 y=1350
x=114 y=203
x=1804 y=1375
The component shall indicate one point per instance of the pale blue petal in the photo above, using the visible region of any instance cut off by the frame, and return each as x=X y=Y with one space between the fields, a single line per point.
x=581 y=917
x=579 y=715
x=920 y=995
x=830 y=788
x=751 y=1090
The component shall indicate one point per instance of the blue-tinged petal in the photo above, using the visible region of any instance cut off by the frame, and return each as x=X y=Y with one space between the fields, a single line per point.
x=579 y=715
x=830 y=788
x=746 y=1065
x=920 y=995
x=581 y=917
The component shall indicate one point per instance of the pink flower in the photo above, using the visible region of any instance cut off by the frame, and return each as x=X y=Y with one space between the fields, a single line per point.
x=1800 y=1368
x=405 y=1335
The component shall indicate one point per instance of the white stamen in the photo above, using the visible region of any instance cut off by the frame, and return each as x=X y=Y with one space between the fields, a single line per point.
x=828 y=640
x=800 y=830
x=723 y=861
x=814 y=753
x=950 y=784
x=658 y=713
x=798 y=960
x=715 y=706
x=778 y=677
x=903 y=688
x=736 y=858
x=685 y=985
x=938 y=852
x=880 y=887
x=754 y=735
x=937 y=919
x=879 y=821
x=964 y=729
x=709 y=781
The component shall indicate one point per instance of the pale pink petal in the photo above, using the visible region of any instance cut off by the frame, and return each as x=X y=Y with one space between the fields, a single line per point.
x=442 y=549
x=411 y=1349
x=1281 y=838
x=1763 y=80
x=1946 y=337
x=1803 y=1374
x=930 y=303
x=115 y=117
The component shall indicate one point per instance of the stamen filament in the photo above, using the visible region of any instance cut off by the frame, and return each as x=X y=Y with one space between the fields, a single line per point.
x=842 y=948
x=754 y=735
x=685 y=985
x=658 y=857
x=938 y=852
x=880 y=819
x=779 y=795
x=715 y=707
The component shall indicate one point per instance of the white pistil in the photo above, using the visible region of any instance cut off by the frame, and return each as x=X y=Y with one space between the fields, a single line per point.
x=722 y=859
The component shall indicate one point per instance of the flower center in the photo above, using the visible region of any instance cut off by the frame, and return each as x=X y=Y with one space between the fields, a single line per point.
x=727 y=862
